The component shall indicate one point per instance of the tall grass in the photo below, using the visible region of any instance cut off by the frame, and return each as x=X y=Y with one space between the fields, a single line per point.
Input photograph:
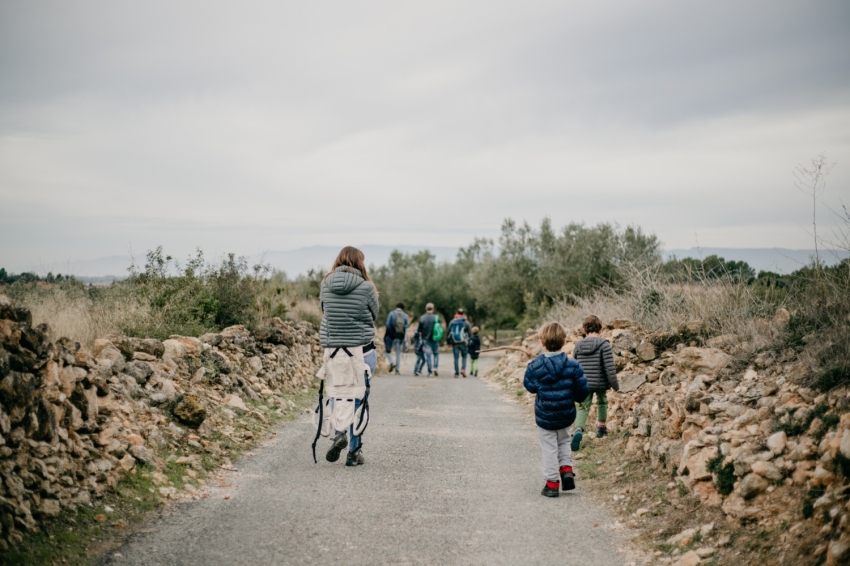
x=167 y=298
x=661 y=301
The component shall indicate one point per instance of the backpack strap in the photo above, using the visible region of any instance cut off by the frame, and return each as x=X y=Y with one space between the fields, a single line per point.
x=321 y=410
x=344 y=349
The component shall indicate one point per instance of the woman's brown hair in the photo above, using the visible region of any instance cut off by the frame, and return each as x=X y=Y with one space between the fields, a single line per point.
x=349 y=256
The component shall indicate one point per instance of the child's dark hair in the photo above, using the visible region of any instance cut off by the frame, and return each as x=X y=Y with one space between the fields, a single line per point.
x=553 y=336
x=591 y=324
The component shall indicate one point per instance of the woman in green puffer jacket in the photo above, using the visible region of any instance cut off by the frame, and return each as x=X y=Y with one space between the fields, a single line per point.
x=349 y=309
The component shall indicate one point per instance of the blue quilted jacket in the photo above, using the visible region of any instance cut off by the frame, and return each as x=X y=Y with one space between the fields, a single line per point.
x=559 y=383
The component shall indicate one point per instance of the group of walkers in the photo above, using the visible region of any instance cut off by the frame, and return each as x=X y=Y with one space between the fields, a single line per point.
x=564 y=387
x=462 y=337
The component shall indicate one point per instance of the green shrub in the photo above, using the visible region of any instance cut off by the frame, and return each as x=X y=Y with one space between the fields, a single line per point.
x=723 y=475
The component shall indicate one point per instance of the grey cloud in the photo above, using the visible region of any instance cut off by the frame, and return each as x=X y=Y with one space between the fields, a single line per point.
x=272 y=125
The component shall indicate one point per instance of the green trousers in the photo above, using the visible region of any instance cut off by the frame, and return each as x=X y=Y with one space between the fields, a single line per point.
x=583 y=408
x=473 y=365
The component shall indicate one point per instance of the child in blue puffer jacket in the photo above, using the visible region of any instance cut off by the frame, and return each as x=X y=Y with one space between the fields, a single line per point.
x=559 y=384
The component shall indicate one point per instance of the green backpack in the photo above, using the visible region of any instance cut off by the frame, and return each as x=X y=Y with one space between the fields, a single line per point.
x=438 y=330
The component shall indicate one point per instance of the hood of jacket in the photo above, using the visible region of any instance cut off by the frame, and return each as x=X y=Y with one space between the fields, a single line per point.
x=588 y=346
x=555 y=364
x=344 y=280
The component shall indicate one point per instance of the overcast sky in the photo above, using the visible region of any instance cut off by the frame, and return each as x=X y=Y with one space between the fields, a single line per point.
x=248 y=126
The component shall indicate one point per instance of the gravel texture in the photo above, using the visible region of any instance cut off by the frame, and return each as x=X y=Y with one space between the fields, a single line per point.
x=452 y=476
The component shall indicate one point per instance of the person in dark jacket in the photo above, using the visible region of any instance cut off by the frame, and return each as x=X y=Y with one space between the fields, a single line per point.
x=559 y=384
x=426 y=332
x=474 y=351
x=597 y=360
x=349 y=304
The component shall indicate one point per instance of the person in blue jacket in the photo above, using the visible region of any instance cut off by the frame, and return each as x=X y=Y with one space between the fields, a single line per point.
x=559 y=384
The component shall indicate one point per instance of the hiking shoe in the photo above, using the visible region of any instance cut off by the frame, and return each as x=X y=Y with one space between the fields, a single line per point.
x=576 y=443
x=456 y=376
x=340 y=444
x=416 y=373
x=436 y=374
x=397 y=372
x=463 y=372
x=355 y=459
x=601 y=431
x=392 y=367
x=550 y=489
x=568 y=478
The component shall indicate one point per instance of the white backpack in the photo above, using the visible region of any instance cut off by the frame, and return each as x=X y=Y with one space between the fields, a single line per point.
x=344 y=375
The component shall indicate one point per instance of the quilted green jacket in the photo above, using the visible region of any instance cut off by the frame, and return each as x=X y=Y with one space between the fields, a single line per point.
x=349 y=309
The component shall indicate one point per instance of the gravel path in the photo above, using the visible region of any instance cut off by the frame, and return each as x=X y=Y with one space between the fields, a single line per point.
x=452 y=476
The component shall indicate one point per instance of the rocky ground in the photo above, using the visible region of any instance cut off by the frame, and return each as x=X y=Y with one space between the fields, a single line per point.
x=76 y=422
x=718 y=452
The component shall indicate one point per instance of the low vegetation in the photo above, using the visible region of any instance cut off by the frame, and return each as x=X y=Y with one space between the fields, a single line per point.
x=166 y=298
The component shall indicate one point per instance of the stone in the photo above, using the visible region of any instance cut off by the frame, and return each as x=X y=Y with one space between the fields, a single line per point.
x=802 y=471
x=198 y=376
x=706 y=492
x=166 y=387
x=629 y=383
x=778 y=440
x=697 y=464
x=236 y=402
x=189 y=410
x=110 y=356
x=767 y=471
x=90 y=396
x=798 y=372
x=135 y=439
x=735 y=506
x=142 y=454
x=646 y=351
x=157 y=399
x=174 y=349
x=705 y=551
x=822 y=477
x=708 y=361
x=211 y=338
x=127 y=463
x=256 y=364
x=144 y=357
x=838 y=552
x=623 y=340
x=752 y=485
x=684 y=537
x=236 y=331
x=751 y=375
x=191 y=346
x=641 y=512
x=844 y=447
x=690 y=558
x=105 y=436
x=139 y=370
x=69 y=377
x=49 y=508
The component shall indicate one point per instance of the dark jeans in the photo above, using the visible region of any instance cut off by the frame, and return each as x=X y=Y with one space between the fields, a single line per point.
x=459 y=349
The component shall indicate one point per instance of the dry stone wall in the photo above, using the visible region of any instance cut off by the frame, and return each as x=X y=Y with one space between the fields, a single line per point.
x=747 y=438
x=74 y=419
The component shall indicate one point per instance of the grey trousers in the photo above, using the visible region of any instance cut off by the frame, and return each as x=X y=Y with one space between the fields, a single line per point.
x=555 y=445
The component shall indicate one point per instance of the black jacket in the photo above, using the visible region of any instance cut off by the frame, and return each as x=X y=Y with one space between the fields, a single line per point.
x=474 y=346
x=597 y=360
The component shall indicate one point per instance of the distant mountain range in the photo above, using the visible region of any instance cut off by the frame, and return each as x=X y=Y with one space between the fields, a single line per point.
x=294 y=262
x=778 y=260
